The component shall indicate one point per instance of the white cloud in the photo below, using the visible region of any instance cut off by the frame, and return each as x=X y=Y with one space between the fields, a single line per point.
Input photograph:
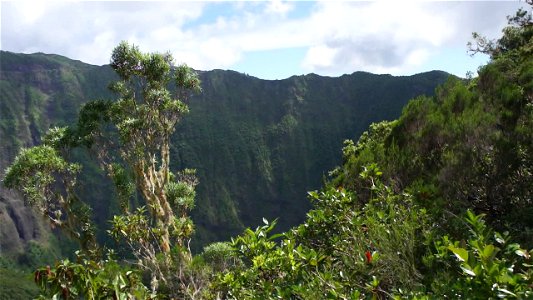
x=391 y=37
x=217 y=51
x=89 y=30
x=279 y=7
x=320 y=56
x=340 y=36
x=417 y=57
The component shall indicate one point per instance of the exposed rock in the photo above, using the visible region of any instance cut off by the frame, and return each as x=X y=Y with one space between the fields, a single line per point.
x=18 y=223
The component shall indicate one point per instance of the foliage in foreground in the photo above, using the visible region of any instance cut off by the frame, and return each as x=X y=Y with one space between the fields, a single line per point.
x=130 y=138
x=398 y=231
x=383 y=249
x=468 y=147
x=490 y=265
x=373 y=233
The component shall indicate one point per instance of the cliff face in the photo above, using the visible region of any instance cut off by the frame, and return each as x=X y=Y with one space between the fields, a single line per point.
x=257 y=145
x=19 y=224
x=36 y=91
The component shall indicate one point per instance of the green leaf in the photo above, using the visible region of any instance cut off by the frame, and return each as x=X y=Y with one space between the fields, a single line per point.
x=332 y=294
x=522 y=252
x=498 y=237
x=460 y=253
x=505 y=293
x=313 y=262
x=468 y=270
x=375 y=256
x=489 y=251
x=375 y=281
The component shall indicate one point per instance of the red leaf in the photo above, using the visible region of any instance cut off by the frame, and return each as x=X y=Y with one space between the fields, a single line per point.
x=368 y=255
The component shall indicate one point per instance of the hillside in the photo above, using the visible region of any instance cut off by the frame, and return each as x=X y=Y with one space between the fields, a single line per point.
x=257 y=145
x=432 y=203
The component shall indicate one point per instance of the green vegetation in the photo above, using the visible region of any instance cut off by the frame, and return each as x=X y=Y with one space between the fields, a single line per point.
x=466 y=147
x=409 y=213
x=431 y=205
x=469 y=146
x=16 y=285
x=266 y=135
x=143 y=118
x=386 y=248
x=258 y=146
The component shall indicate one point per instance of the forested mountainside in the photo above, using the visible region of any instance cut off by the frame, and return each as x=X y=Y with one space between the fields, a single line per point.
x=257 y=145
x=433 y=205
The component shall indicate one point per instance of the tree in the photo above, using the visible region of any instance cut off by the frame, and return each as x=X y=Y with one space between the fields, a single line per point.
x=35 y=172
x=131 y=139
x=145 y=116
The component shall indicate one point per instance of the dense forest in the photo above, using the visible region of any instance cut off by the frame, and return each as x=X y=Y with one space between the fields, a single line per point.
x=258 y=146
x=434 y=204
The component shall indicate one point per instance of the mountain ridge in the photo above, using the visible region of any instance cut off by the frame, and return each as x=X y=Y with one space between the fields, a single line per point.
x=59 y=57
x=258 y=145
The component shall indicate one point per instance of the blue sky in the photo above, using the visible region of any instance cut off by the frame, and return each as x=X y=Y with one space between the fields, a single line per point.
x=267 y=39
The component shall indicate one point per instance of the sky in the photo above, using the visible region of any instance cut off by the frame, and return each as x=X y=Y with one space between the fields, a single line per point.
x=266 y=39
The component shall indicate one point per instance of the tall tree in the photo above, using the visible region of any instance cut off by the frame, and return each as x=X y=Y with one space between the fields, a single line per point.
x=145 y=116
x=131 y=139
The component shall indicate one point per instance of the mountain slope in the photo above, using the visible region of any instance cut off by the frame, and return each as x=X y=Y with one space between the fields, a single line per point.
x=434 y=205
x=258 y=145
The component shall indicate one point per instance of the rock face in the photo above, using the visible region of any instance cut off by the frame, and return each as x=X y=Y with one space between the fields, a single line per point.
x=19 y=224
x=258 y=145
x=32 y=96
